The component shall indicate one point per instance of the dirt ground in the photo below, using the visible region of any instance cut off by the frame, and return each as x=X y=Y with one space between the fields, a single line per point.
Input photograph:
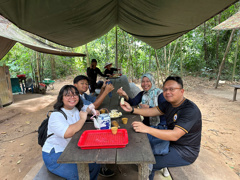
x=19 y=122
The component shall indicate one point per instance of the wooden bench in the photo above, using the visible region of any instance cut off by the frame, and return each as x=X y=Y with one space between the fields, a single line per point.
x=43 y=173
x=236 y=87
x=208 y=166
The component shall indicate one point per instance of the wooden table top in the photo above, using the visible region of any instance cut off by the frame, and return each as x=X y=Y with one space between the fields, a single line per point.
x=236 y=86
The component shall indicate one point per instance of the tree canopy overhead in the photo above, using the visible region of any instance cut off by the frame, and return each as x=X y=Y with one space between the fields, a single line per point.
x=76 y=22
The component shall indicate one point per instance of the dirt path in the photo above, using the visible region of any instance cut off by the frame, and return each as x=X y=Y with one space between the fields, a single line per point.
x=19 y=150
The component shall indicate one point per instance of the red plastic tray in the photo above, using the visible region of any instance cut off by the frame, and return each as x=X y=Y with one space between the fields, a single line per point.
x=100 y=139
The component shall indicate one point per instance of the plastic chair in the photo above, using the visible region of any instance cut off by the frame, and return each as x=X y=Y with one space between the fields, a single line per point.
x=29 y=84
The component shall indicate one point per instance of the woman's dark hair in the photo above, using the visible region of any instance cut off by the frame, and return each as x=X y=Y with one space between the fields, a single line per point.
x=64 y=91
x=79 y=78
x=174 y=78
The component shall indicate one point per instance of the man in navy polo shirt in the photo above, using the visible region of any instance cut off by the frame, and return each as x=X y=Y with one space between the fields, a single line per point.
x=184 y=123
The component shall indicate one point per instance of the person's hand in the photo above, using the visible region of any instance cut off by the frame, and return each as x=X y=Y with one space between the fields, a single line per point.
x=126 y=107
x=97 y=113
x=91 y=109
x=109 y=75
x=121 y=92
x=140 y=127
x=105 y=83
x=144 y=106
x=109 y=88
x=83 y=115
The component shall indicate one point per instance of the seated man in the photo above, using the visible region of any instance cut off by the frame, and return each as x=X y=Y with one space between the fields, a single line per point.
x=109 y=70
x=184 y=123
x=81 y=83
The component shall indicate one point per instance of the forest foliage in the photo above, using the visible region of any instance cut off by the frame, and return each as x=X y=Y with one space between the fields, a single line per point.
x=197 y=53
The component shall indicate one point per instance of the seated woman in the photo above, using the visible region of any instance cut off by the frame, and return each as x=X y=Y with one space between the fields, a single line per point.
x=147 y=98
x=69 y=102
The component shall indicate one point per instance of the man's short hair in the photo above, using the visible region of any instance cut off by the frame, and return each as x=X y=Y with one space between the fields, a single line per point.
x=79 y=78
x=94 y=60
x=174 y=78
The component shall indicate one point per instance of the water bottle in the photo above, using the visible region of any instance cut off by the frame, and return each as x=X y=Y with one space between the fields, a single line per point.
x=109 y=94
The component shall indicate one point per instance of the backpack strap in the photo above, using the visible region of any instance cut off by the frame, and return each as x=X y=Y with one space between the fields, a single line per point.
x=55 y=110
x=61 y=111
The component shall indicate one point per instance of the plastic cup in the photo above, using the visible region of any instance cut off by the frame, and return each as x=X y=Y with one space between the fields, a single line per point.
x=124 y=120
x=102 y=111
x=115 y=123
x=114 y=130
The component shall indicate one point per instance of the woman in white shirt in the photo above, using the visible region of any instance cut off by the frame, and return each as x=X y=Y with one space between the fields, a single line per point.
x=69 y=102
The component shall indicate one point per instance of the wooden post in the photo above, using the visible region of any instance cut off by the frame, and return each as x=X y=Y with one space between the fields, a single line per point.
x=116 y=55
x=143 y=171
x=83 y=171
x=224 y=57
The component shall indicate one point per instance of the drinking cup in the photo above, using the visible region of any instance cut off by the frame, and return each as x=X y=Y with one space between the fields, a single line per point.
x=114 y=130
x=124 y=120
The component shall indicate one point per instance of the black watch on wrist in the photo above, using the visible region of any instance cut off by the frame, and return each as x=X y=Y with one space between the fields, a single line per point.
x=132 y=110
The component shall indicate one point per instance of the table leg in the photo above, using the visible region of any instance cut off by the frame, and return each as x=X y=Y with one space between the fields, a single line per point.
x=143 y=171
x=235 y=94
x=83 y=171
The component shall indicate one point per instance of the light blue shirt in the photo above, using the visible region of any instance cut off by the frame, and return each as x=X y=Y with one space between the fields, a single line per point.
x=87 y=100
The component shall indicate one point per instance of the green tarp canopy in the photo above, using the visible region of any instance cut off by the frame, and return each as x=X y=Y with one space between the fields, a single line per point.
x=76 y=22
x=10 y=34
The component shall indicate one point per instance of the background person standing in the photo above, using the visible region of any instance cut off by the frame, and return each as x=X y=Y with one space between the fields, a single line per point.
x=92 y=73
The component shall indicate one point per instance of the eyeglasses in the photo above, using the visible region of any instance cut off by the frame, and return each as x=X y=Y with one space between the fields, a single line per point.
x=170 y=89
x=69 y=96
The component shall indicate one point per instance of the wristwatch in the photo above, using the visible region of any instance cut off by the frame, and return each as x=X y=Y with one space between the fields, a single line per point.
x=132 y=110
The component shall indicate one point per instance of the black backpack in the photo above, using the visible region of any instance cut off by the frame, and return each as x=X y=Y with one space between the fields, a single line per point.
x=43 y=128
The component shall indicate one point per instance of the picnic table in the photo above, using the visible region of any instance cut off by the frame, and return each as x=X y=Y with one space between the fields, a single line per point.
x=236 y=87
x=138 y=150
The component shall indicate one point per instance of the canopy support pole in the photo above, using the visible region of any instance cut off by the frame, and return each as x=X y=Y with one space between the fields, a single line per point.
x=116 y=55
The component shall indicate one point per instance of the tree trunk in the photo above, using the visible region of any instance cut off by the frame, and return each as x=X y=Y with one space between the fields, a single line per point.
x=224 y=57
x=181 y=53
x=149 y=62
x=217 y=43
x=87 y=56
x=129 y=55
x=156 y=58
x=53 y=67
x=171 y=56
x=106 y=49
x=37 y=74
x=205 y=43
x=165 y=58
x=235 y=60
x=42 y=65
